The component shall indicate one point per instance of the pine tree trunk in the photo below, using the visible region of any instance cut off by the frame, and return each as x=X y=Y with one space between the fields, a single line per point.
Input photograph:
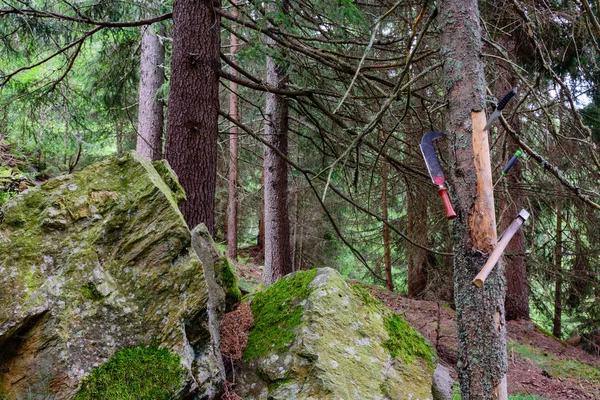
x=517 y=288
x=417 y=229
x=232 y=208
x=387 y=254
x=193 y=106
x=482 y=362
x=516 y=302
x=150 y=108
x=557 y=323
x=260 y=237
x=119 y=128
x=277 y=225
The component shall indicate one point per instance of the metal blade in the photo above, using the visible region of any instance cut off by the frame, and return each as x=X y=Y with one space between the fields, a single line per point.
x=431 y=159
x=492 y=119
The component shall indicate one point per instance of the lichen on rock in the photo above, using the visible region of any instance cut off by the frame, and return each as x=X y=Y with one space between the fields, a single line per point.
x=94 y=262
x=331 y=341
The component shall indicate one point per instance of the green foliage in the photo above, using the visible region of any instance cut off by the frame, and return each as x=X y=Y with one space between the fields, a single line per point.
x=142 y=373
x=405 y=342
x=277 y=312
x=554 y=366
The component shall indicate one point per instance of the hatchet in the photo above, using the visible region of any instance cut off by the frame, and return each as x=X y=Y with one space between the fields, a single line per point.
x=498 y=111
x=435 y=169
x=502 y=243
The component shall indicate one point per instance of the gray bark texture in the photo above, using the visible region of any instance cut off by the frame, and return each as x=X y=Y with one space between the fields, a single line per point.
x=482 y=362
x=150 y=108
x=278 y=260
x=194 y=105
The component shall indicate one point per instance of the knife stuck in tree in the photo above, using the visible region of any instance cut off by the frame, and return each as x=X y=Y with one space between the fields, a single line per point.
x=435 y=169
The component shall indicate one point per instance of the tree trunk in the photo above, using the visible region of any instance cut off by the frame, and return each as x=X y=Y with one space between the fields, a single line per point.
x=150 y=108
x=260 y=237
x=193 y=106
x=557 y=323
x=482 y=362
x=516 y=302
x=387 y=256
x=417 y=229
x=277 y=225
x=119 y=128
x=232 y=208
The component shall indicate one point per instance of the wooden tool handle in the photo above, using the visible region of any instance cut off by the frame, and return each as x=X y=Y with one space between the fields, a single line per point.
x=497 y=253
x=450 y=214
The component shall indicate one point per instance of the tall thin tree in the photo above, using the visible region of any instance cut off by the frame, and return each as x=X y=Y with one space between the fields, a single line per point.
x=194 y=105
x=150 y=107
x=482 y=362
x=232 y=206
x=277 y=225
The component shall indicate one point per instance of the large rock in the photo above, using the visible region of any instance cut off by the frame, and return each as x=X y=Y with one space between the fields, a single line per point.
x=93 y=264
x=316 y=337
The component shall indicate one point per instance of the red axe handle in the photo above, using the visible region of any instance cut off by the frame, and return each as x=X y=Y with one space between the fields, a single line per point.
x=450 y=214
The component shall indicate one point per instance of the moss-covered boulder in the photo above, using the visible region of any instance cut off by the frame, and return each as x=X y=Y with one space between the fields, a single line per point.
x=316 y=337
x=92 y=264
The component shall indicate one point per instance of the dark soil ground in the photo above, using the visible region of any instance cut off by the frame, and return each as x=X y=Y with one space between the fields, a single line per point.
x=539 y=364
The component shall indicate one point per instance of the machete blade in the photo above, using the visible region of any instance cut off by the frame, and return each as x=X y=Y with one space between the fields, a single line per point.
x=431 y=159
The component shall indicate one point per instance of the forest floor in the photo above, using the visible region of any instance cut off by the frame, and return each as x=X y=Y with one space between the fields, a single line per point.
x=540 y=366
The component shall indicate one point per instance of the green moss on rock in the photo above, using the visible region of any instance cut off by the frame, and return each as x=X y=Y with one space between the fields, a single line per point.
x=229 y=282
x=91 y=292
x=141 y=373
x=366 y=298
x=166 y=173
x=277 y=311
x=405 y=342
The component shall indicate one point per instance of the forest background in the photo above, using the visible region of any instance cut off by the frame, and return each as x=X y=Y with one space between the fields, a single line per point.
x=361 y=82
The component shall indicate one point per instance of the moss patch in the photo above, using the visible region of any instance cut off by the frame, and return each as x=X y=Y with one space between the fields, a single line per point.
x=405 y=342
x=366 y=298
x=229 y=282
x=90 y=292
x=135 y=373
x=556 y=367
x=277 y=311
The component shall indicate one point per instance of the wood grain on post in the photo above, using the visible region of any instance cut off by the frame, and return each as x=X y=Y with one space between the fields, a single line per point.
x=482 y=220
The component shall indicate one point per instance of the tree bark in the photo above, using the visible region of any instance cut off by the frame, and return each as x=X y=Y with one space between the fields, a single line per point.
x=387 y=254
x=150 y=108
x=516 y=302
x=417 y=229
x=482 y=362
x=557 y=323
x=277 y=225
x=194 y=105
x=232 y=208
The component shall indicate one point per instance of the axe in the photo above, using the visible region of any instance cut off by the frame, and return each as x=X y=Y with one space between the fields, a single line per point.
x=502 y=243
x=435 y=169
